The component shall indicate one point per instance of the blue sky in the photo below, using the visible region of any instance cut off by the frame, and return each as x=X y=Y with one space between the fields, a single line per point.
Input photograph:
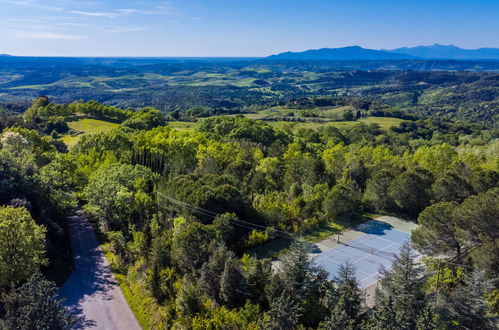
x=238 y=27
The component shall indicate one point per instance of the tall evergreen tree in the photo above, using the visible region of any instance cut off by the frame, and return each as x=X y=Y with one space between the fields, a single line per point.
x=35 y=306
x=402 y=284
x=284 y=314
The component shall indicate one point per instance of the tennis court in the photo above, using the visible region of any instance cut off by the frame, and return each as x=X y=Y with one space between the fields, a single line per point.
x=376 y=244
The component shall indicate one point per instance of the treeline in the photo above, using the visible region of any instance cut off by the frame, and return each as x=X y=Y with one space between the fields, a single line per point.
x=182 y=210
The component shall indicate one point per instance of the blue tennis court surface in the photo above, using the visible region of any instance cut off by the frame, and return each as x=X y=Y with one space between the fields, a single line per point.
x=377 y=246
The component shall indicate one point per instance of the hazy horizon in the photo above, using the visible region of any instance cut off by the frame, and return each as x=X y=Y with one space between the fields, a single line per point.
x=218 y=57
x=223 y=28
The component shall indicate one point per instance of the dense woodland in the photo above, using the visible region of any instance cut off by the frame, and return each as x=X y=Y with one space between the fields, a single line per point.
x=181 y=213
x=454 y=90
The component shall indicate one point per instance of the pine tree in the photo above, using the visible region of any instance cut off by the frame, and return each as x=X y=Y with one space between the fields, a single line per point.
x=349 y=296
x=34 y=306
x=383 y=317
x=284 y=314
x=426 y=319
x=466 y=306
x=339 y=318
x=402 y=284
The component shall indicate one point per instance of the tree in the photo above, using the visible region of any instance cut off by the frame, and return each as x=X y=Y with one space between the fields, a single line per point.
x=465 y=306
x=477 y=216
x=436 y=158
x=190 y=245
x=454 y=184
x=427 y=319
x=339 y=319
x=211 y=272
x=34 y=306
x=232 y=286
x=189 y=298
x=307 y=283
x=377 y=188
x=22 y=245
x=119 y=195
x=402 y=284
x=342 y=198
x=439 y=231
x=145 y=119
x=284 y=314
x=383 y=316
x=349 y=296
x=411 y=190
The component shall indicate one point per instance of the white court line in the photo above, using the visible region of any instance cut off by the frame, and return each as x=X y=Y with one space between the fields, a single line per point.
x=388 y=240
x=368 y=284
x=355 y=262
x=363 y=272
x=337 y=248
x=336 y=262
x=362 y=258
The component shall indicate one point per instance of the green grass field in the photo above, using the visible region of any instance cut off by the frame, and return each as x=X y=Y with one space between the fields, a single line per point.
x=182 y=125
x=87 y=126
x=384 y=123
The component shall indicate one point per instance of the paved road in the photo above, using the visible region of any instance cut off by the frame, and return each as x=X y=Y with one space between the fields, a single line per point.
x=91 y=291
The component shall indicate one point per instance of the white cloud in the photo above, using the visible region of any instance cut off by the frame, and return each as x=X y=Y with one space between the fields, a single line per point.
x=32 y=3
x=41 y=35
x=118 y=29
x=93 y=13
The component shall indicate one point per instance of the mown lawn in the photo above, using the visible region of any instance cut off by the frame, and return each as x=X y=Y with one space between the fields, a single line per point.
x=87 y=126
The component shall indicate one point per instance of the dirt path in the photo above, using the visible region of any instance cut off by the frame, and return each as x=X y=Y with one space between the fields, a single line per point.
x=91 y=291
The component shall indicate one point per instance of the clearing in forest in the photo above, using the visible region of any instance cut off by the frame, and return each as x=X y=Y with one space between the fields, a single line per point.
x=86 y=126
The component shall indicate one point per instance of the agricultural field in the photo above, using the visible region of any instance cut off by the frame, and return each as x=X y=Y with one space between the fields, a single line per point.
x=86 y=126
x=384 y=123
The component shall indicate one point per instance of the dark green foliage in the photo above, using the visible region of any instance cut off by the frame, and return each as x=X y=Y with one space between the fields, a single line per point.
x=383 y=316
x=284 y=314
x=190 y=246
x=440 y=231
x=377 y=190
x=35 y=306
x=189 y=298
x=145 y=119
x=401 y=289
x=464 y=307
x=232 y=284
x=240 y=128
x=342 y=198
x=349 y=298
x=411 y=191
x=308 y=284
x=215 y=193
x=184 y=210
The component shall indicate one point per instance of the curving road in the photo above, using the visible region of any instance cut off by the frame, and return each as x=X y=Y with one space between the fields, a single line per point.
x=91 y=291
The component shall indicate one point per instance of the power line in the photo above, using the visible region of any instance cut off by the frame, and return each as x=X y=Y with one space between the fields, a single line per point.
x=253 y=226
x=237 y=222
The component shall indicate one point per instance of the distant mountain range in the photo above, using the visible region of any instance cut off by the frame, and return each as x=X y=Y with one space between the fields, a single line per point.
x=420 y=52
x=449 y=52
x=345 y=53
